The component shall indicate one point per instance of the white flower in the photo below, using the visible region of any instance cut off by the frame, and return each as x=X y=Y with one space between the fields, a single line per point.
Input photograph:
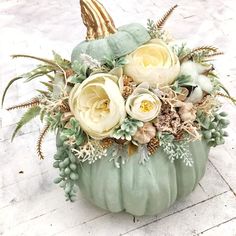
x=154 y=63
x=98 y=105
x=143 y=104
x=202 y=82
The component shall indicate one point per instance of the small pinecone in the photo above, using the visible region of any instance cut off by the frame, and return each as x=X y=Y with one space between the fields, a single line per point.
x=64 y=107
x=127 y=91
x=106 y=143
x=127 y=80
x=152 y=146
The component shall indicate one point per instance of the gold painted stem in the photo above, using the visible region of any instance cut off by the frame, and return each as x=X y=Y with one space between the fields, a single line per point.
x=97 y=20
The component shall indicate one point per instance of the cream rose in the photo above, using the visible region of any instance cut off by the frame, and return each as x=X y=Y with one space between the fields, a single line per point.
x=98 y=105
x=143 y=104
x=154 y=63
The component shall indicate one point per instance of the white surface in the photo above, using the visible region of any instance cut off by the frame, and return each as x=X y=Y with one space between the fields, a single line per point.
x=30 y=204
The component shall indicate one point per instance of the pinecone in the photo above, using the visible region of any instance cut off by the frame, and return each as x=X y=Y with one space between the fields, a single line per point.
x=64 y=107
x=127 y=91
x=152 y=146
x=106 y=142
x=127 y=81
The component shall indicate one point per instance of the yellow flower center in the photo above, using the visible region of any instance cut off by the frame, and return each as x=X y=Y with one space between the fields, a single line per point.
x=103 y=105
x=146 y=106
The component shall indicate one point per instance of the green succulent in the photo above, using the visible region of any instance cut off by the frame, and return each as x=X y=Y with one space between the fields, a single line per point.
x=73 y=135
x=213 y=127
x=128 y=128
x=68 y=165
x=54 y=121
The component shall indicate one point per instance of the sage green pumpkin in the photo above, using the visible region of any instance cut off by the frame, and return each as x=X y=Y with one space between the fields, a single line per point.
x=141 y=189
x=125 y=40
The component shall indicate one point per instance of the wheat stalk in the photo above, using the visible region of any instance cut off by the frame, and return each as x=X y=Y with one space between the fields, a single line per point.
x=200 y=49
x=227 y=96
x=33 y=102
x=215 y=54
x=160 y=23
x=40 y=141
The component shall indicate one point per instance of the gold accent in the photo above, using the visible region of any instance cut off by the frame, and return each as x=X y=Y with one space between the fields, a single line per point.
x=97 y=20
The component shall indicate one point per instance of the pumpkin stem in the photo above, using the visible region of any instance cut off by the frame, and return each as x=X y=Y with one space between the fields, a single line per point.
x=97 y=20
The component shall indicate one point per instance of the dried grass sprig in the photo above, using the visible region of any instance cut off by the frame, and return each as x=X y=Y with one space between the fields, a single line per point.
x=33 y=102
x=228 y=97
x=215 y=54
x=211 y=49
x=40 y=141
x=160 y=23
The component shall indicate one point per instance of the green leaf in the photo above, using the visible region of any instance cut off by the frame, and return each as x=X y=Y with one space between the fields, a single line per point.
x=65 y=64
x=8 y=86
x=39 y=71
x=48 y=85
x=45 y=93
x=27 y=117
x=42 y=114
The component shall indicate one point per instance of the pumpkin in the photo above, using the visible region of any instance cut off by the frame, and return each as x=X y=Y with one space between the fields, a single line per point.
x=103 y=39
x=138 y=189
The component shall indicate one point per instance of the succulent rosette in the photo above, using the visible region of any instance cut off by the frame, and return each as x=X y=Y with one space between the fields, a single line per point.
x=128 y=93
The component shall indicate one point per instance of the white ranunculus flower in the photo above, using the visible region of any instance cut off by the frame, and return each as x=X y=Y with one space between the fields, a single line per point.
x=143 y=104
x=154 y=63
x=98 y=105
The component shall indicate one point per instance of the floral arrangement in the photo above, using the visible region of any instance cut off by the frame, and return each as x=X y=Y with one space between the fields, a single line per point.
x=158 y=95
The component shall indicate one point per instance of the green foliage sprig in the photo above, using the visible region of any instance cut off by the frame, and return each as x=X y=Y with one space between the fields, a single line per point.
x=176 y=149
x=111 y=63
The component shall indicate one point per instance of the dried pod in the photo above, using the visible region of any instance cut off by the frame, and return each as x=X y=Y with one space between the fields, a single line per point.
x=168 y=120
x=187 y=112
x=145 y=133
